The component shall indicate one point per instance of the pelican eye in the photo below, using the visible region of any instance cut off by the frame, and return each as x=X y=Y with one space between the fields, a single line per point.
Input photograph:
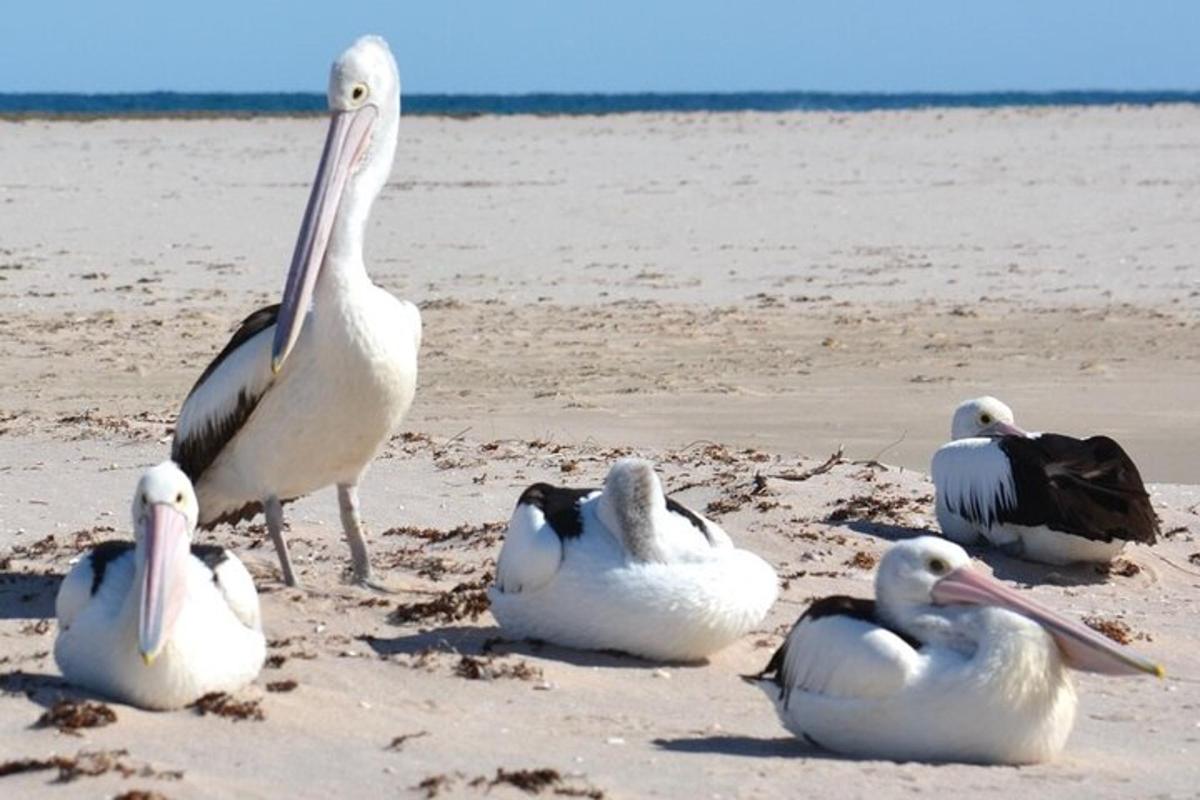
x=359 y=92
x=179 y=498
x=986 y=419
x=937 y=566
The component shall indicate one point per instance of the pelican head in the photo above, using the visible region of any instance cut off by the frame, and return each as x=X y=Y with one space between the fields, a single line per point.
x=983 y=416
x=164 y=517
x=929 y=578
x=364 y=109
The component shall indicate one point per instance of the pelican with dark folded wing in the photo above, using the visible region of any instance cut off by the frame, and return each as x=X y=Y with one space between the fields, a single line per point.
x=1041 y=496
x=944 y=664
x=307 y=391
x=159 y=621
x=626 y=568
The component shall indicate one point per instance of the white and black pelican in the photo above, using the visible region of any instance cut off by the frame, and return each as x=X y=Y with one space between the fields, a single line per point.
x=158 y=622
x=946 y=664
x=307 y=391
x=625 y=568
x=1040 y=496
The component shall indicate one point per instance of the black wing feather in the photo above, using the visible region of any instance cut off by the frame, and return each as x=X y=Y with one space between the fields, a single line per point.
x=196 y=453
x=104 y=554
x=1083 y=487
x=213 y=556
x=559 y=505
x=838 y=605
x=691 y=516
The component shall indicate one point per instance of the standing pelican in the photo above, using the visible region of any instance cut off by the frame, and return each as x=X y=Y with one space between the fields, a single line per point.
x=1041 y=496
x=159 y=621
x=307 y=391
x=626 y=568
x=945 y=665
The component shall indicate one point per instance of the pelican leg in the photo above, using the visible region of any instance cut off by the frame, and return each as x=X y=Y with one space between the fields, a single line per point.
x=352 y=527
x=274 y=512
x=356 y=538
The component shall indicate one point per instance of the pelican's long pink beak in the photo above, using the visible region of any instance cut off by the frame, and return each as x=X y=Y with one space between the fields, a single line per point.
x=1082 y=648
x=164 y=569
x=346 y=142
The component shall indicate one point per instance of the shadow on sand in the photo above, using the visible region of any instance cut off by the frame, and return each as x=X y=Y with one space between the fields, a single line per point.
x=44 y=689
x=481 y=640
x=1004 y=567
x=26 y=595
x=725 y=745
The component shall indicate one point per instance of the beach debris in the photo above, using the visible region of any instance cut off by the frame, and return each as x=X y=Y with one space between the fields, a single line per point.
x=222 y=704
x=534 y=781
x=467 y=600
x=1116 y=629
x=69 y=716
x=433 y=785
x=1121 y=567
x=530 y=781
x=736 y=497
x=479 y=535
x=475 y=668
x=876 y=508
x=828 y=464
x=140 y=794
x=287 y=685
x=863 y=560
x=39 y=628
x=398 y=742
x=86 y=764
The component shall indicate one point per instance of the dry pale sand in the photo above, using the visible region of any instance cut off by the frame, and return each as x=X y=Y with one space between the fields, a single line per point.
x=731 y=295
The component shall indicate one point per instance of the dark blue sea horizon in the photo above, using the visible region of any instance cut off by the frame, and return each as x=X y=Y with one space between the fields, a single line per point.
x=274 y=103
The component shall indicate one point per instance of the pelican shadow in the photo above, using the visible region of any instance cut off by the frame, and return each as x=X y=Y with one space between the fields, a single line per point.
x=885 y=530
x=44 y=689
x=725 y=745
x=1031 y=573
x=26 y=595
x=1004 y=566
x=481 y=640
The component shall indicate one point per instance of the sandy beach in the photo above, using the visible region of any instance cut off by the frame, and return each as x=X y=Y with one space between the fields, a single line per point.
x=731 y=295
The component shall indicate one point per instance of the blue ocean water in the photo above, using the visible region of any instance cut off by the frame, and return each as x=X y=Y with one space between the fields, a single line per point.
x=219 y=103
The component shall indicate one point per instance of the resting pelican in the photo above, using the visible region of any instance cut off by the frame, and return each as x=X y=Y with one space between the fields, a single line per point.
x=302 y=398
x=158 y=622
x=946 y=665
x=1040 y=496
x=626 y=568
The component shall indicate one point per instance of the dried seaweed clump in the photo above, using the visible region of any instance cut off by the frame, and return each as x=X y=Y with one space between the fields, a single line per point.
x=863 y=560
x=474 y=668
x=465 y=601
x=534 y=781
x=223 y=705
x=69 y=716
x=1115 y=629
x=873 y=508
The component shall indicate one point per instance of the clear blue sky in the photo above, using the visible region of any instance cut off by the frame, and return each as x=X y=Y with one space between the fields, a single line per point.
x=605 y=45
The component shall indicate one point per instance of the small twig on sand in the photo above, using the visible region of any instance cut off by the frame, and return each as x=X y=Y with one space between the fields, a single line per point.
x=697 y=443
x=878 y=455
x=829 y=464
x=438 y=452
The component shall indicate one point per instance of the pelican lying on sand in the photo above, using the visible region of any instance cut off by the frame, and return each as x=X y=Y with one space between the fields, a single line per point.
x=946 y=664
x=1040 y=496
x=159 y=621
x=626 y=568
x=302 y=398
